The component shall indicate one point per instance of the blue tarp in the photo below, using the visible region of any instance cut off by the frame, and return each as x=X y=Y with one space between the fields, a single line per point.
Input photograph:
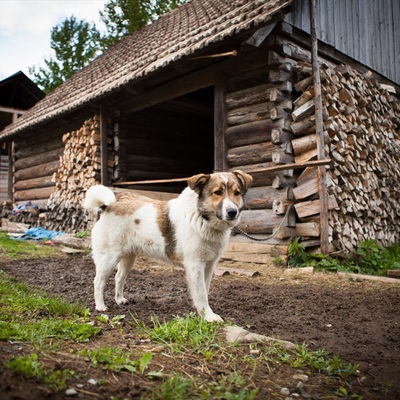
x=39 y=234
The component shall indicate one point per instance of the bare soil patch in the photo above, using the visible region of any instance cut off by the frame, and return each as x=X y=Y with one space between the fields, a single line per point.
x=359 y=321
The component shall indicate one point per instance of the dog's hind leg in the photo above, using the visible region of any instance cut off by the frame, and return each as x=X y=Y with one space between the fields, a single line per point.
x=105 y=265
x=124 y=266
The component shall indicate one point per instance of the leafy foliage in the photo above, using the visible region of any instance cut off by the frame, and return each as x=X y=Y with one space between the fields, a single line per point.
x=373 y=259
x=122 y=17
x=30 y=367
x=75 y=44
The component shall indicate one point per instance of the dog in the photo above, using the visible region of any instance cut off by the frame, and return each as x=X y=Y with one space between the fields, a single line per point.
x=191 y=230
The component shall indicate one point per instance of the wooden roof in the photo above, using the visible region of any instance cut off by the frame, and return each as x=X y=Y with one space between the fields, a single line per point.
x=182 y=32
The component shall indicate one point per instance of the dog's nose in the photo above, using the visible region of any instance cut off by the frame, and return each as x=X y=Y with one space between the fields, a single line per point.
x=232 y=212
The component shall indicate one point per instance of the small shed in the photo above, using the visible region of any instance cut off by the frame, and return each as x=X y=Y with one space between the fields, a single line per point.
x=17 y=94
x=217 y=85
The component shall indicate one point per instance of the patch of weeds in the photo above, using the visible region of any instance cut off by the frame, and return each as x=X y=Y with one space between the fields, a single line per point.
x=18 y=249
x=297 y=253
x=113 y=322
x=178 y=387
x=116 y=359
x=31 y=315
x=82 y=234
x=188 y=331
x=373 y=259
x=377 y=260
x=38 y=331
x=30 y=367
x=301 y=357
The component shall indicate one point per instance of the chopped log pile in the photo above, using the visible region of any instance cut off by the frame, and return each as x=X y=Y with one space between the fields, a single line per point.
x=362 y=120
x=79 y=169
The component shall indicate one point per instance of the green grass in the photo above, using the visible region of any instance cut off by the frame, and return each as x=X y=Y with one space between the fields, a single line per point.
x=19 y=249
x=30 y=315
x=30 y=367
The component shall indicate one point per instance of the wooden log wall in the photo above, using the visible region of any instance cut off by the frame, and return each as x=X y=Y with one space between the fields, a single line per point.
x=79 y=168
x=258 y=109
x=35 y=161
x=362 y=122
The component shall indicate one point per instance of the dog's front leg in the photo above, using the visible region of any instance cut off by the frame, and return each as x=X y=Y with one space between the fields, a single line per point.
x=209 y=272
x=198 y=287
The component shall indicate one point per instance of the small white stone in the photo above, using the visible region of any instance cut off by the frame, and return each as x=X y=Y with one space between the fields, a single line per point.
x=329 y=325
x=285 y=391
x=71 y=392
x=92 y=381
x=300 y=377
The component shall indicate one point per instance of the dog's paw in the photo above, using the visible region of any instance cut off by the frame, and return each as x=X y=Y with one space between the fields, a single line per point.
x=212 y=317
x=122 y=300
x=101 y=308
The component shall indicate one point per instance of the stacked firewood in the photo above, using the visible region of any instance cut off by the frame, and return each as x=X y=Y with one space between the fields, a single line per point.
x=362 y=121
x=79 y=169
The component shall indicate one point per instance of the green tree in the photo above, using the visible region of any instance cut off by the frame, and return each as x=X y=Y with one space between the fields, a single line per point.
x=122 y=17
x=75 y=44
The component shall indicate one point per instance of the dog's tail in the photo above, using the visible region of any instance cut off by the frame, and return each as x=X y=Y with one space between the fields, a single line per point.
x=99 y=196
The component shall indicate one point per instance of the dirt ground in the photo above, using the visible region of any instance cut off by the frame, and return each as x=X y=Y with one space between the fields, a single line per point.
x=358 y=320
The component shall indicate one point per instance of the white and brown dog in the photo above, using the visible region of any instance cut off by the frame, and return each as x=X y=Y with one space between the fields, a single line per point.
x=191 y=230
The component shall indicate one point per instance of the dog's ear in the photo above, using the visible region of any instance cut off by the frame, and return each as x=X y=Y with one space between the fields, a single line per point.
x=245 y=179
x=197 y=182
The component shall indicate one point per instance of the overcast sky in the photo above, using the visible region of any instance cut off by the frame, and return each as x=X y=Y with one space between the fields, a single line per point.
x=25 y=27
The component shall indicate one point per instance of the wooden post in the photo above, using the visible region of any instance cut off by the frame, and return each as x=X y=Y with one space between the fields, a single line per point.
x=322 y=185
x=10 y=189
x=219 y=124
x=103 y=146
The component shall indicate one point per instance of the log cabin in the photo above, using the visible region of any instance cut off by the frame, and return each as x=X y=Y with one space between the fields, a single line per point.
x=304 y=98
x=17 y=94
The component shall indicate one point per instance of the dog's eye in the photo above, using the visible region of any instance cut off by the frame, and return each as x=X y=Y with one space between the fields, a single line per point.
x=237 y=193
x=218 y=192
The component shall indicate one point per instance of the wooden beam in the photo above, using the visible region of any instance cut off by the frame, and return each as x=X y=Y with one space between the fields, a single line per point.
x=220 y=124
x=319 y=125
x=12 y=110
x=10 y=188
x=103 y=146
x=268 y=169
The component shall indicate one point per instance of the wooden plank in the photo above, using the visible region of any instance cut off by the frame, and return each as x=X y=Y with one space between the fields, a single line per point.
x=248 y=170
x=248 y=257
x=312 y=207
x=319 y=125
x=103 y=146
x=220 y=162
x=306 y=189
x=304 y=229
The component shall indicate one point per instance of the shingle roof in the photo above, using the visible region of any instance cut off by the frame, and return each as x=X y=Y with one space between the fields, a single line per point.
x=179 y=33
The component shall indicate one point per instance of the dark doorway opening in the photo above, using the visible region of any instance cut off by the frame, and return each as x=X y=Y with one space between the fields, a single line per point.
x=174 y=139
